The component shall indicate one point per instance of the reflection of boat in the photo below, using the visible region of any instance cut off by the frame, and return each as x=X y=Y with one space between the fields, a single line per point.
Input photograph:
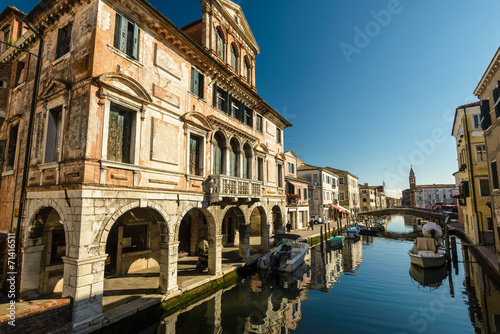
x=372 y=230
x=351 y=232
x=336 y=242
x=431 y=277
x=432 y=230
x=426 y=253
x=287 y=256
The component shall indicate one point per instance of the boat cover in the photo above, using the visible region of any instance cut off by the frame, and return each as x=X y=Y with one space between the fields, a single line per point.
x=426 y=244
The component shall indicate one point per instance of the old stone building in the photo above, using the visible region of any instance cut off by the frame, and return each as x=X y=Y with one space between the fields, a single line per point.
x=146 y=138
x=348 y=190
x=297 y=194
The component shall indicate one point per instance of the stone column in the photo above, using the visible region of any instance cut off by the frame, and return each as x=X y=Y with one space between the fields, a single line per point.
x=84 y=282
x=30 y=275
x=168 y=266
x=215 y=254
x=264 y=238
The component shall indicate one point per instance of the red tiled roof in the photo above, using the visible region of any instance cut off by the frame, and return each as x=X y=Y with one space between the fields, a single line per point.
x=468 y=105
x=191 y=24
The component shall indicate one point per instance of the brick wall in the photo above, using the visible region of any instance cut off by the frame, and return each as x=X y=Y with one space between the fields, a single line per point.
x=53 y=316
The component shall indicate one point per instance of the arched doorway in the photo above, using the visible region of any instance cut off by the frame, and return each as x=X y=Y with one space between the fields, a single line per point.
x=234 y=236
x=277 y=217
x=258 y=231
x=133 y=243
x=43 y=267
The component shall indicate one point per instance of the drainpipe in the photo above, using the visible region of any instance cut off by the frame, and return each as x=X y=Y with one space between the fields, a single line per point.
x=27 y=155
x=473 y=182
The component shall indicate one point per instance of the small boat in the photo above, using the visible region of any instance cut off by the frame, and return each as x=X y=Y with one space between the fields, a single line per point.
x=351 y=232
x=432 y=230
x=336 y=242
x=426 y=253
x=372 y=230
x=379 y=225
x=287 y=256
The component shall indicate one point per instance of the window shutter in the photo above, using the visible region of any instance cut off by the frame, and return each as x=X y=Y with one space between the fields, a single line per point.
x=250 y=117
x=14 y=74
x=194 y=81
x=228 y=103
x=122 y=41
x=201 y=87
x=241 y=111
x=485 y=112
x=215 y=95
x=135 y=49
x=232 y=163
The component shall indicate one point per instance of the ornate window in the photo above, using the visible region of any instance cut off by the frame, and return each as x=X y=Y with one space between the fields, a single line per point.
x=219 y=47
x=234 y=58
x=219 y=152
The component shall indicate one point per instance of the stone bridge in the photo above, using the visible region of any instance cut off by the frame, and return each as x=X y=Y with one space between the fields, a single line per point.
x=411 y=211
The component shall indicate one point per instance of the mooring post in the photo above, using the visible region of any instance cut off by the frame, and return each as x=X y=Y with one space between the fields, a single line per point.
x=454 y=253
x=447 y=240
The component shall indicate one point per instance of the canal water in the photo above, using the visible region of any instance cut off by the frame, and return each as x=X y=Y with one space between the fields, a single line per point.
x=369 y=286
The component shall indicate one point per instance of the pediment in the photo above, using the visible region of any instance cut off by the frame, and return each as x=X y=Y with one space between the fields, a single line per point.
x=123 y=84
x=53 y=87
x=198 y=120
x=261 y=148
x=280 y=156
x=234 y=14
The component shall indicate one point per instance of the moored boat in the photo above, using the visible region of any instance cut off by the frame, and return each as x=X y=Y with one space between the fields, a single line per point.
x=351 y=232
x=372 y=230
x=287 y=256
x=336 y=242
x=426 y=253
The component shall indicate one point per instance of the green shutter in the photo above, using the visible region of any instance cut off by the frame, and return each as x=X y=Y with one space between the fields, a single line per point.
x=122 y=42
x=494 y=175
x=214 y=96
x=135 y=49
x=194 y=81
x=117 y=31
x=485 y=113
x=201 y=87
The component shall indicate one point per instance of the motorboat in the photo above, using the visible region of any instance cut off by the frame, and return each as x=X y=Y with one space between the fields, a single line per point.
x=287 y=256
x=351 y=232
x=372 y=230
x=336 y=242
x=379 y=225
x=426 y=253
x=432 y=230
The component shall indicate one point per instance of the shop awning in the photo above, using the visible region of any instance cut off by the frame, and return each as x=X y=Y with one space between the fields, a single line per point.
x=344 y=209
x=338 y=207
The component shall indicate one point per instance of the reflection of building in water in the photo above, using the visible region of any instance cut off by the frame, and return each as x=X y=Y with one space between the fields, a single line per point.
x=352 y=255
x=326 y=267
x=257 y=305
x=484 y=297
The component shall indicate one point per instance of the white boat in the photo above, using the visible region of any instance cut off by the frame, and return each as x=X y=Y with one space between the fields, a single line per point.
x=432 y=230
x=426 y=253
x=287 y=256
x=351 y=232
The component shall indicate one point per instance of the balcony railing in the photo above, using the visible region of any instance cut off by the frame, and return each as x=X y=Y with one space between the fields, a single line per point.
x=221 y=186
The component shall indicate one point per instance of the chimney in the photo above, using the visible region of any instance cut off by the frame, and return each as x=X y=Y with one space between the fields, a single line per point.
x=366 y=184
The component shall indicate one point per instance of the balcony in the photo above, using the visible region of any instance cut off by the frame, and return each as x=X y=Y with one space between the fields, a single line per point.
x=223 y=186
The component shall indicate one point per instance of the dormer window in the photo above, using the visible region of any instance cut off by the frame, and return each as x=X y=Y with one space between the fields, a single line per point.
x=234 y=59
x=219 y=47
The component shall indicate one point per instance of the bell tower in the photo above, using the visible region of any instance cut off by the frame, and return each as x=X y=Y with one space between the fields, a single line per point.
x=413 y=179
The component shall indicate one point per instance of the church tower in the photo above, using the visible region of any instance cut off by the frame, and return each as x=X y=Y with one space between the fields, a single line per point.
x=413 y=180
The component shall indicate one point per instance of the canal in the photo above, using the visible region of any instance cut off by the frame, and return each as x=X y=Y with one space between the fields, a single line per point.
x=368 y=286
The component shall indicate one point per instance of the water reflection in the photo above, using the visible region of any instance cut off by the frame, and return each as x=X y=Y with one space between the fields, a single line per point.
x=305 y=300
x=483 y=295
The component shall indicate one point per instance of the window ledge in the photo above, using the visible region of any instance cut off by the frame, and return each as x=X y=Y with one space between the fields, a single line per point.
x=7 y=173
x=143 y=252
x=19 y=86
x=197 y=177
x=119 y=165
x=48 y=165
x=126 y=56
x=197 y=97
x=60 y=59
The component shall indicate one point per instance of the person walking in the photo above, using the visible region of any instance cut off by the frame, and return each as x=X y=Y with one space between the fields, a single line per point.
x=311 y=224
x=288 y=227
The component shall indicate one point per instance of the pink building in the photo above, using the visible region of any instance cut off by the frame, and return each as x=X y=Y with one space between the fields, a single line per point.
x=297 y=205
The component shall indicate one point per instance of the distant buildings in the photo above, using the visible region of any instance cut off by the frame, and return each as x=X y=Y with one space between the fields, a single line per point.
x=427 y=196
x=348 y=190
x=473 y=177
x=297 y=191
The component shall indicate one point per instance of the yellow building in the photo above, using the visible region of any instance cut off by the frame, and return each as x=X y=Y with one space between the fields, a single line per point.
x=488 y=92
x=473 y=179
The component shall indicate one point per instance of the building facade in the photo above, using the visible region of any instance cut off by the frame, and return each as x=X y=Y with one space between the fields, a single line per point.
x=487 y=91
x=348 y=190
x=323 y=190
x=297 y=193
x=473 y=178
x=146 y=139
x=367 y=197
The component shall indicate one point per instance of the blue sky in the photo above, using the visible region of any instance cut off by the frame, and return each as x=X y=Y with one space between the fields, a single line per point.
x=387 y=104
